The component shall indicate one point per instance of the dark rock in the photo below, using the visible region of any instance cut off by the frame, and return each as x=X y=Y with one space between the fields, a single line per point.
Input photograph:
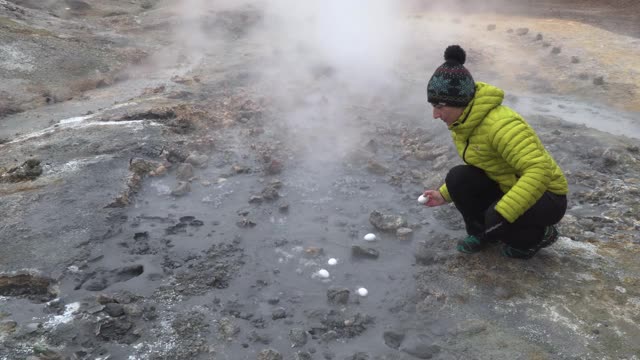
x=117 y=330
x=184 y=172
x=8 y=326
x=421 y=350
x=114 y=310
x=538 y=37
x=28 y=171
x=197 y=160
x=279 y=313
x=575 y=60
x=556 y=50
x=393 y=339
x=598 y=80
x=274 y=167
x=269 y=354
x=358 y=356
x=522 y=31
x=338 y=295
x=298 y=337
x=360 y=252
x=302 y=355
x=491 y=27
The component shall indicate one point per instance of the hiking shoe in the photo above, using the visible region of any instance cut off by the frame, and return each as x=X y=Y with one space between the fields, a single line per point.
x=550 y=236
x=512 y=252
x=471 y=244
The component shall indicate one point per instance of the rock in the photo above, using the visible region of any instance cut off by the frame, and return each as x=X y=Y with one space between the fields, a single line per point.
x=556 y=50
x=491 y=27
x=441 y=162
x=375 y=167
x=256 y=199
x=227 y=328
x=279 y=313
x=28 y=171
x=338 y=295
x=182 y=189
x=404 y=233
x=360 y=252
x=575 y=60
x=358 y=356
x=522 y=31
x=197 y=160
x=329 y=336
x=298 y=337
x=538 y=37
x=269 y=354
x=8 y=326
x=143 y=167
x=393 y=339
x=313 y=252
x=114 y=310
x=421 y=350
x=598 y=80
x=184 y=172
x=274 y=167
x=302 y=355
x=386 y=222
x=270 y=192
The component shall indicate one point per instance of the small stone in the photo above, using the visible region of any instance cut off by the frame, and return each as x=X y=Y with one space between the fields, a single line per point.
x=114 y=310
x=338 y=295
x=298 y=337
x=184 y=172
x=538 y=37
x=364 y=253
x=302 y=355
x=522 y=31
x=269 y=354
x=422 y=351
x=279 y=313
x=491 y=27
x=8 y=326
x=575 y=60
x=556 y=50
x=313 y=252
x=404 y=233
x=329 y=336
x=182 y=189
x=598 y=80
x=376 y=168
x=393 y=339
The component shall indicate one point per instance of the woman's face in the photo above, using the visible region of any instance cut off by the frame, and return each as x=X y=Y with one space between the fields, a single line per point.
x=448 y=114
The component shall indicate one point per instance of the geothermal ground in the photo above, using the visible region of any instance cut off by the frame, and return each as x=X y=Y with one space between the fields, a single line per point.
x=174 y=176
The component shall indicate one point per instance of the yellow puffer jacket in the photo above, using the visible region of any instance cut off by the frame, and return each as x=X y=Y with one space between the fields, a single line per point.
x=496 y=139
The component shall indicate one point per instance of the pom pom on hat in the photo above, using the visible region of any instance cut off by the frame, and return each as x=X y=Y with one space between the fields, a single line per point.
x=455 y=53
x=451 y=83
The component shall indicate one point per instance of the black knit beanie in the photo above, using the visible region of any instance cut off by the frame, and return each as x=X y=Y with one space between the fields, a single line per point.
x=451 y=83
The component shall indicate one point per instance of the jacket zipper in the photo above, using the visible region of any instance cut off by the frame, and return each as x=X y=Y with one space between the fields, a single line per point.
x=464 y=152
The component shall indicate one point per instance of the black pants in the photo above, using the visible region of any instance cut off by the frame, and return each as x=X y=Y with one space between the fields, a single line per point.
x=473 y=192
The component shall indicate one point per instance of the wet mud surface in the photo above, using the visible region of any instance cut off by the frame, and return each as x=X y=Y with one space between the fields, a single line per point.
x=190 y=219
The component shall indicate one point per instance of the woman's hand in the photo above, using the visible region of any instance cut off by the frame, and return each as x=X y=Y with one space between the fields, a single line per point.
x=435 y=198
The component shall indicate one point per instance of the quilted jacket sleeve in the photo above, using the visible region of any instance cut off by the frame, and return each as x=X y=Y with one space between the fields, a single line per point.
x=445 y=193
x=520 y=148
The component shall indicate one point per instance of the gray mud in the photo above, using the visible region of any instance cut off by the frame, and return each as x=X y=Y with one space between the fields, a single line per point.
x=185 y=214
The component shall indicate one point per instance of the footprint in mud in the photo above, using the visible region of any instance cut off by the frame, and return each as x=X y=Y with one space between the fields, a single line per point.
x=102 y=279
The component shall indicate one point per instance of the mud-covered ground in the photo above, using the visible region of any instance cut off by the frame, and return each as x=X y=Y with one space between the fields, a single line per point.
x=184 y=211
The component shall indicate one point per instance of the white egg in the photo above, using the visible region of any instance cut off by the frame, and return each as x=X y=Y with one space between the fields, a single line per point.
x=370 y=237
x=423 y=199
x=323 y=273
x=332 y=261
x=363 y=292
